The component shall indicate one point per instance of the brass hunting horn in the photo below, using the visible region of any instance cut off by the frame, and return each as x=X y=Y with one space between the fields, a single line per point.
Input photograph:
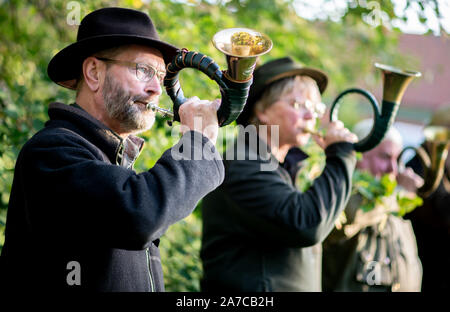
x=241 y=46
x=437 y=142
x=395 y=83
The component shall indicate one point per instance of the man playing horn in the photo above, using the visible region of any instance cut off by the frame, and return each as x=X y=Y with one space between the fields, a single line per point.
x=79 y=217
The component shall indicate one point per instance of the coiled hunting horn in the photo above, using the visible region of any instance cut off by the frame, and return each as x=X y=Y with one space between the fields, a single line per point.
x=437 y=142
x=241 y=46
x=395 y=83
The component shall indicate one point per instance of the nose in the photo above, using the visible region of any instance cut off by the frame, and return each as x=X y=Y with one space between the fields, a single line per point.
x=308 y=114
x=153 y=86
x=392 y=167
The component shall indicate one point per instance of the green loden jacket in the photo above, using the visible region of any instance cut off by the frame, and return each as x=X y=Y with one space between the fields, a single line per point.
x=259 y=232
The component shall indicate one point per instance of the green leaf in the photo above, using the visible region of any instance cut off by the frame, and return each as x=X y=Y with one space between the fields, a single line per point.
x=408 y=203
x=365 y=192
x=388 y=183
x=367 y=206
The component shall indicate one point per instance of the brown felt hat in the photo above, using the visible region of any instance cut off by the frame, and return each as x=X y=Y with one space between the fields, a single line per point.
x=104 y=29
x=273 y=71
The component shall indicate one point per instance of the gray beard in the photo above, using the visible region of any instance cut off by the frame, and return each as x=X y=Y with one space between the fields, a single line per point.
x=120 y=106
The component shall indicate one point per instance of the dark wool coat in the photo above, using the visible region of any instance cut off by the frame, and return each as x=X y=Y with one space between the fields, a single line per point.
x=76 y=198
x=260 y=233
x=431 y=224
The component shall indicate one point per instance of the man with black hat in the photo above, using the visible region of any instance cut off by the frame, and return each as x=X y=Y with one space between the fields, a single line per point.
x=79 y=217
x=259 y=232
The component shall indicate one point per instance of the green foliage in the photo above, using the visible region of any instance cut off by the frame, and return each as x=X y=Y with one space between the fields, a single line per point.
x=31 y=32
x=312 y=167
x=407 y=203
x=180 y=248
x=371 y=189
x=375 y=192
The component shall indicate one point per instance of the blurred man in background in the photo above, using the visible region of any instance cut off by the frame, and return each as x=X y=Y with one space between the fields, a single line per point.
x=374 y=250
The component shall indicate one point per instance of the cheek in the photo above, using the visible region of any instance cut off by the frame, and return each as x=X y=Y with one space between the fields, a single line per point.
x=291 y=120
x=128 y=84
x=381 y=167
x=294 y=116
x=282 y=118
x=130 y=88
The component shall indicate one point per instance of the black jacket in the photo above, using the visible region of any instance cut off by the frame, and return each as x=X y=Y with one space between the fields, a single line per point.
x=260 y=233
x=76 y=198
x=431 y=224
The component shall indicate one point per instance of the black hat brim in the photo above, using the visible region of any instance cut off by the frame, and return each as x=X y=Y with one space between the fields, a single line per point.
x=65 y=67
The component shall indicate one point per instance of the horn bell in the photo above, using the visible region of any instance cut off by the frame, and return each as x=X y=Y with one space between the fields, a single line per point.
x=241 y=46
x=437 y=141
x=395 y=81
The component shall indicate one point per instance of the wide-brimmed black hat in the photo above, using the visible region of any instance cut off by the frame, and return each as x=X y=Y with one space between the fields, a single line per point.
x=103 y=29
x=273 y=71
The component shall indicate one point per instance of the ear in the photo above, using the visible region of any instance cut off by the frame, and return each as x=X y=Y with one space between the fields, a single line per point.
x=363 y=163
x=92 y=70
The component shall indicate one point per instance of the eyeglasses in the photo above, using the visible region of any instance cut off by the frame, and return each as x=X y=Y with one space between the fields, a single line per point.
x=317 y=109
x=144 y=72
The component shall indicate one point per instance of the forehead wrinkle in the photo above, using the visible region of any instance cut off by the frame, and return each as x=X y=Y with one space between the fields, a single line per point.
x=145 y=55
